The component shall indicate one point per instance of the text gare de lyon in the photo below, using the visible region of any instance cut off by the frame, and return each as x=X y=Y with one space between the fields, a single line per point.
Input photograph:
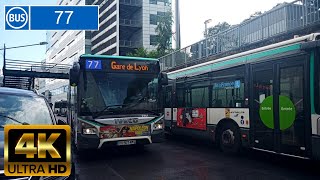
x=129 y=67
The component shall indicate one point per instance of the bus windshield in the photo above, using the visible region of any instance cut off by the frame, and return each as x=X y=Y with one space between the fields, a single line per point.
x=117 y=92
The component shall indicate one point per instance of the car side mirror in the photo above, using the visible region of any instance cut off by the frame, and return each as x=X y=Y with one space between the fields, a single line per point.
x=74 y=74
x=61 y=122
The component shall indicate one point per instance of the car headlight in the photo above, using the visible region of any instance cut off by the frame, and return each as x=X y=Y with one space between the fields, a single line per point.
x=87 y=129
x=158 y=125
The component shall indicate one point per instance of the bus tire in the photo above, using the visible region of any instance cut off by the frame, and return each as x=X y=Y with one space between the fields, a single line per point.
x=229 y=138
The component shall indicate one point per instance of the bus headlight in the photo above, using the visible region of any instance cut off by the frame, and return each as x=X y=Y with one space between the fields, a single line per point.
x=158 y=125
x=88 y=129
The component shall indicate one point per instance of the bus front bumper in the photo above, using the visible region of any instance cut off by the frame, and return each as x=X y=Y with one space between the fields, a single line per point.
x=94 y=142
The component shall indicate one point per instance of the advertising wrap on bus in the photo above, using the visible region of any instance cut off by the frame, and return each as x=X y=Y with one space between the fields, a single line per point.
x=124 y=131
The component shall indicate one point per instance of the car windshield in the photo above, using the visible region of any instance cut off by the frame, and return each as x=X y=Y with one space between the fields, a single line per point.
x=121 y=91
x=20 y=108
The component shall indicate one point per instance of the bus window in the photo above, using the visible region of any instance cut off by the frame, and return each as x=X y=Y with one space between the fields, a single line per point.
x=228 y=93
x=200 y=97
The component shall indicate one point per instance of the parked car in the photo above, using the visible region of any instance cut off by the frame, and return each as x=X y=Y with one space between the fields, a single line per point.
x=19 y=106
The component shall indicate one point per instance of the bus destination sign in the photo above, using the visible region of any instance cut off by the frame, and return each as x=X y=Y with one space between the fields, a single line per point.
x=129 y=67
x=118 y=65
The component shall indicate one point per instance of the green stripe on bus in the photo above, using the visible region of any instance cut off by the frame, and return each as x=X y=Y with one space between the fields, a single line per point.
x=243 y=59
x=155 y=119
x=90 y=122
x=118 y=57
x=312 y=82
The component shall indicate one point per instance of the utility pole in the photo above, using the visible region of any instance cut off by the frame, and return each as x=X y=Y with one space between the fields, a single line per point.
x=177 y=22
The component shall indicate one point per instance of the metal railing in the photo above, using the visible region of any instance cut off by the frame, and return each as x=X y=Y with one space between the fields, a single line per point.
x=129 y=22
x=282 y=19
x=31 y=66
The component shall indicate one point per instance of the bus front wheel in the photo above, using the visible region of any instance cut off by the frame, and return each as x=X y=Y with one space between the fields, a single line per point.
x=229 y=138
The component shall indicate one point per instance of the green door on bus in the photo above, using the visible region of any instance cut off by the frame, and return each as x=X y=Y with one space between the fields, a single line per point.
x=279 y=113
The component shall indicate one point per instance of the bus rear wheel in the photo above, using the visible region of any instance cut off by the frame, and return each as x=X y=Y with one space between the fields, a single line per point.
x=229 y=139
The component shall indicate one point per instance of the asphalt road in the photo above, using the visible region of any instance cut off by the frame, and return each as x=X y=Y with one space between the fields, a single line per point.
x=190 y=159
x=186 y=159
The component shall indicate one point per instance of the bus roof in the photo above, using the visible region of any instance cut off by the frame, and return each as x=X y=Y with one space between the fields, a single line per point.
x=117 y=57
x=243 y=58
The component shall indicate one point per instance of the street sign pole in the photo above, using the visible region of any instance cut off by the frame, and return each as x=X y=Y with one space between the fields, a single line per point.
x=4 y=64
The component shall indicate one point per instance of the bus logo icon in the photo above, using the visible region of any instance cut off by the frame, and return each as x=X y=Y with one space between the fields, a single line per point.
x=16 y=17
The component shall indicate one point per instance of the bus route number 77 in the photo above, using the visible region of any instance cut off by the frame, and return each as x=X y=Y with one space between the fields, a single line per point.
x=93 y=64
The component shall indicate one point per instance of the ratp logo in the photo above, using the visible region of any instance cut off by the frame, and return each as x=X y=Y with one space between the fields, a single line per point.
x=16 y=17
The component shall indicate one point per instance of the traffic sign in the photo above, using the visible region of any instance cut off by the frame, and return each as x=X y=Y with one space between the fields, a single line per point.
x=52 y=17
x=16 y=17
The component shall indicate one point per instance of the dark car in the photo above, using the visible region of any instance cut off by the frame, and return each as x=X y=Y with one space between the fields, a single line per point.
x=19 y=106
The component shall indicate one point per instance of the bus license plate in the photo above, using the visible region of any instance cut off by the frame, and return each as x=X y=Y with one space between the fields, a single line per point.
x=125 y=143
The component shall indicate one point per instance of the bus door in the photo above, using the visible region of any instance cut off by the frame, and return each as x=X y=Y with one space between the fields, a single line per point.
x=167 y=105
x=279 y=106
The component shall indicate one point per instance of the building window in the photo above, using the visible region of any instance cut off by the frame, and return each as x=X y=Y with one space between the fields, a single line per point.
x=153 y=19
x=88 y=35
x=161 y=13
x=54 y=34
x=153 y=1
x=153 y=40
x=88 y=49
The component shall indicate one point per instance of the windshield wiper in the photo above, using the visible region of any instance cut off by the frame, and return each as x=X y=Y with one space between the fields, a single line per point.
x=107 y=108
x=149 y=111
x=23 y=123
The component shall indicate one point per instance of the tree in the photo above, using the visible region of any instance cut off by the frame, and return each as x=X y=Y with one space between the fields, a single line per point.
x=220 y=27
x=256 y=14
x=164 y=35
x=164 y=32
x=142 y=52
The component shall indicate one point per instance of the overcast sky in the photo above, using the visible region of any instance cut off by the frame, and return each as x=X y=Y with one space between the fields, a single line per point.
x=193 y=15
x=195 y=12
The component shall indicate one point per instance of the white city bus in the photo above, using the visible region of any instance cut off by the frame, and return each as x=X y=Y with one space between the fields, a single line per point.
x=114 y=101
x=266 y=99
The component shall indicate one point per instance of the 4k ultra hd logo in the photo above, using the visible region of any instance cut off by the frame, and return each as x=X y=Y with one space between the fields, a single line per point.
x=37 y=150
x=16 y=17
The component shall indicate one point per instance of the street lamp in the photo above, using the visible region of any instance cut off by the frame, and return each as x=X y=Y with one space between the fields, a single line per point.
x=40 y=43
x=206 y=22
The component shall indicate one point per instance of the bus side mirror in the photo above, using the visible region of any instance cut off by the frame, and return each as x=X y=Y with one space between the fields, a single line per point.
x=164 y=78
x=74 y=74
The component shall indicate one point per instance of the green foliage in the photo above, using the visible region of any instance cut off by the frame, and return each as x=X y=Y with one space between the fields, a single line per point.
x=220 y=27
x=164 y=35
x=142 y=52
x=164 y=32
